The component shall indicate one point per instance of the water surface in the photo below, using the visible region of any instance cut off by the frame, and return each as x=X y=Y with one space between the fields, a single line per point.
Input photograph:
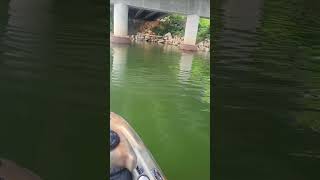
x=53 y=87
x=267 y=90
x=164 y=94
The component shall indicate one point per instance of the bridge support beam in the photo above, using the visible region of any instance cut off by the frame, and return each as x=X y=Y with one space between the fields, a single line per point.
x=190 y=34
x=120 y=24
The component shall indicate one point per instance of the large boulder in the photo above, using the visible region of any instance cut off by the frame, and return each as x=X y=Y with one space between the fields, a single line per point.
x=161 y=41
x=139 y=36
x=168 y=36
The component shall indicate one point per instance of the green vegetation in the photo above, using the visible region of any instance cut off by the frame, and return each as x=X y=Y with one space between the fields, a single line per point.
x=204 y=29
x=175 y=24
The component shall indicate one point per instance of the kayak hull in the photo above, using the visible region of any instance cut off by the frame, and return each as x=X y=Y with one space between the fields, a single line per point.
x=143 y=165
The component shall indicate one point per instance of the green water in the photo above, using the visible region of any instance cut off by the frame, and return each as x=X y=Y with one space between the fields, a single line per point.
x=267 y=90
x=53 y=87
x=164 y=94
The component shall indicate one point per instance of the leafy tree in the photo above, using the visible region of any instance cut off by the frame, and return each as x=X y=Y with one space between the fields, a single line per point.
x=204 y=29
x=175 y=24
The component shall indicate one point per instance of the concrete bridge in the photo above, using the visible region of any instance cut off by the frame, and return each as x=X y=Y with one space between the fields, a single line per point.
x=154 y=9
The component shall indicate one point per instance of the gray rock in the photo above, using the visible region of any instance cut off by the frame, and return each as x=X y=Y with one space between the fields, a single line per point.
x=168 y=35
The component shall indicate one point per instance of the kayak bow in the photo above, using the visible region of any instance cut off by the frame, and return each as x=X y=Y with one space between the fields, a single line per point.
x=138 y=159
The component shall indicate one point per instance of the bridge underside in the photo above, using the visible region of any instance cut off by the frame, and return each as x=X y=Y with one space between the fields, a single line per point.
x=186 y=7
x=144 y=14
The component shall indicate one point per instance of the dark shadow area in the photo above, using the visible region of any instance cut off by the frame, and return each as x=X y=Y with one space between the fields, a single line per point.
x=266 y=90
x=54 y=87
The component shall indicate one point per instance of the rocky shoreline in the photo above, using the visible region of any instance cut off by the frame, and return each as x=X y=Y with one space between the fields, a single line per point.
x=150 y=36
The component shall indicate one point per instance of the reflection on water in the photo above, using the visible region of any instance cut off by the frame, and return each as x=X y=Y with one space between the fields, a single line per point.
x=266 y=80
x=185 y=66
x=119 y=53
x=164 y=94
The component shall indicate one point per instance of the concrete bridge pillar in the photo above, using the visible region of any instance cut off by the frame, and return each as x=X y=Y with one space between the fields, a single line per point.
x=120 y=24
x=190 y=34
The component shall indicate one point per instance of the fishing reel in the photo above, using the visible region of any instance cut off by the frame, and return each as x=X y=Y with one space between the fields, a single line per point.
x=114 y=140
